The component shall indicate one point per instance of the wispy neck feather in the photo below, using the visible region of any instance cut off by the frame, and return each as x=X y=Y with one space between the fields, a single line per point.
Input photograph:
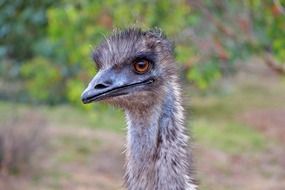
x=157 y=146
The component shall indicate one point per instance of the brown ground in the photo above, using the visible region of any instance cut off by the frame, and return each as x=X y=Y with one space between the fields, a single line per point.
x=269 y=121
x=103 y=169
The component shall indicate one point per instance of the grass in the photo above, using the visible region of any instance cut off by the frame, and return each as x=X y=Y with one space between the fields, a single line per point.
x=232 y=138
x=215 y=122
x=213 y=119
x=75 y=148
x=102 y=117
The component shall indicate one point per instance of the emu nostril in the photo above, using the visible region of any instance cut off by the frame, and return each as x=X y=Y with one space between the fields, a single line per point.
x=100 y=86
x=103 y=85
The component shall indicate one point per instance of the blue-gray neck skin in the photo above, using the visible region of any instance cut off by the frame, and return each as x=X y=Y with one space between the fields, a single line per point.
x=157 y=157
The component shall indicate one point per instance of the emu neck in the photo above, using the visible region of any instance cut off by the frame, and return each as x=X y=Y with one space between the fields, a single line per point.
x=156 y=148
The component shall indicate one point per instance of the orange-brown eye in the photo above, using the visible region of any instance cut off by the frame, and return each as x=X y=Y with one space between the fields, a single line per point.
x=141 y=66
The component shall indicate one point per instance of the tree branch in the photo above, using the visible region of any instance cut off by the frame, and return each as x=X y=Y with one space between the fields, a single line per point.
x=273 y=64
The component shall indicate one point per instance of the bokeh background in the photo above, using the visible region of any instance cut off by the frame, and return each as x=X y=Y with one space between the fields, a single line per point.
x=231 y=56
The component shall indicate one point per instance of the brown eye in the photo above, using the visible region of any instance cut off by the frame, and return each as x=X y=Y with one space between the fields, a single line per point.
x=141 y=66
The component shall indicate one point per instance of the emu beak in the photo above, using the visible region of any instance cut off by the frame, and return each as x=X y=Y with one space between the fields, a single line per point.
x=100 y=87
x=107 y=84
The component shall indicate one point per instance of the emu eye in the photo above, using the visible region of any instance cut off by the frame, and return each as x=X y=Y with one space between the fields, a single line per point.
x=141 y=66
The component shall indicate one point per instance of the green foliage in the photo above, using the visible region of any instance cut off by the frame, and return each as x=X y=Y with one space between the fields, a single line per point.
x=75 y=27
x=74 y=87
x=44 y=81
x=53 y=41
x=269 y=26
x=204 y=74
x=22 y=24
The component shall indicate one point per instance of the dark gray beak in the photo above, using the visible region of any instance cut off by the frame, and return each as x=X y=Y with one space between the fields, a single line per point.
x=107 y=84
x=100 y=87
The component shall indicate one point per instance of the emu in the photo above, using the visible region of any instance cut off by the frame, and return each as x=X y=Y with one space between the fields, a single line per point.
x=137 y=72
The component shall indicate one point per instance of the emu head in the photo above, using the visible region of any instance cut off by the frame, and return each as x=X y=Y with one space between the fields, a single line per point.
x=134 y=69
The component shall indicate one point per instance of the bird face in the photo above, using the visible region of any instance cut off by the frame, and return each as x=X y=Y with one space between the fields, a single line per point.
x=130 y=70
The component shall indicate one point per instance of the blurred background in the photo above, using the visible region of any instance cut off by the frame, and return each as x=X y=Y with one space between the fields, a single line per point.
x=232 y=60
